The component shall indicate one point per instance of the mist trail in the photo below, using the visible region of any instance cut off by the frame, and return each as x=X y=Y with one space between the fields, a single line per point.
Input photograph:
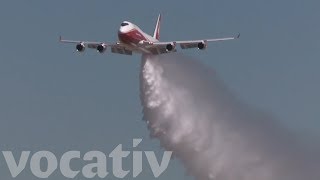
x=215 y=136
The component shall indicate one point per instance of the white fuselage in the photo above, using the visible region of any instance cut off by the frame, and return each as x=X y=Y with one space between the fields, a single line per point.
x=132 y=37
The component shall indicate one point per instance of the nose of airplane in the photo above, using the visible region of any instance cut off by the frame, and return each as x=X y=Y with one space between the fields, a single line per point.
x=125 y=27
x=121 y=30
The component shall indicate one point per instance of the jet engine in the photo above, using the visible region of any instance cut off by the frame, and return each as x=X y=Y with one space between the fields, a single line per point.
x=202 y=45
x=101 y=48
x=80 y=47
x=170 y=47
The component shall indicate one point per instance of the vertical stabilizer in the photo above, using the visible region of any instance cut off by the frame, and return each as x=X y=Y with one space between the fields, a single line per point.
x=156 y=33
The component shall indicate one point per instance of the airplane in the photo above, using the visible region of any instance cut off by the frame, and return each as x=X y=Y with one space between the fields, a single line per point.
x=133 y=40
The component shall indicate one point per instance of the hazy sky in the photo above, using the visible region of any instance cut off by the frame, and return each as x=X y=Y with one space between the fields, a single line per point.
x=53 y=98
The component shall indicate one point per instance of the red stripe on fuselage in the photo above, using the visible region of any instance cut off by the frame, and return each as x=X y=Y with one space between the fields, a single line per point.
x=133 y=36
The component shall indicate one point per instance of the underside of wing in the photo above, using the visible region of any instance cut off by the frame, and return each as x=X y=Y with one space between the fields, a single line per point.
x=159 y=49
x=120 y=50
x=200 y=44
x=101 y=47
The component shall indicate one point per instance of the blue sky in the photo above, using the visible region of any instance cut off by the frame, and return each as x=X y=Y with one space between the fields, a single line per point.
x=54 y=98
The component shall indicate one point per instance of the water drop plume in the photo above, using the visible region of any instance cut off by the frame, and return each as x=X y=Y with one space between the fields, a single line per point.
x=192 y=113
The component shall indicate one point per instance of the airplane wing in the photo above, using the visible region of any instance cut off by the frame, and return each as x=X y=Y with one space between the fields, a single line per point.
x=99 y=46
x=200 y=44
x=159 y=48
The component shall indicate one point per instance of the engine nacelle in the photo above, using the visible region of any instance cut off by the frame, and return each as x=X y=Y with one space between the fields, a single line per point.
x=170 y=47
x=101 y=48
x=202 y=45
x=80 y=47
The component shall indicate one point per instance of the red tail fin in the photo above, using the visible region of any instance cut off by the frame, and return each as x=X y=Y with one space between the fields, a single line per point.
x=156 y=33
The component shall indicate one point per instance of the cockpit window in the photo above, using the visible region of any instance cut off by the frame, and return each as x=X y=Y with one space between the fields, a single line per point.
x=124 y=24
